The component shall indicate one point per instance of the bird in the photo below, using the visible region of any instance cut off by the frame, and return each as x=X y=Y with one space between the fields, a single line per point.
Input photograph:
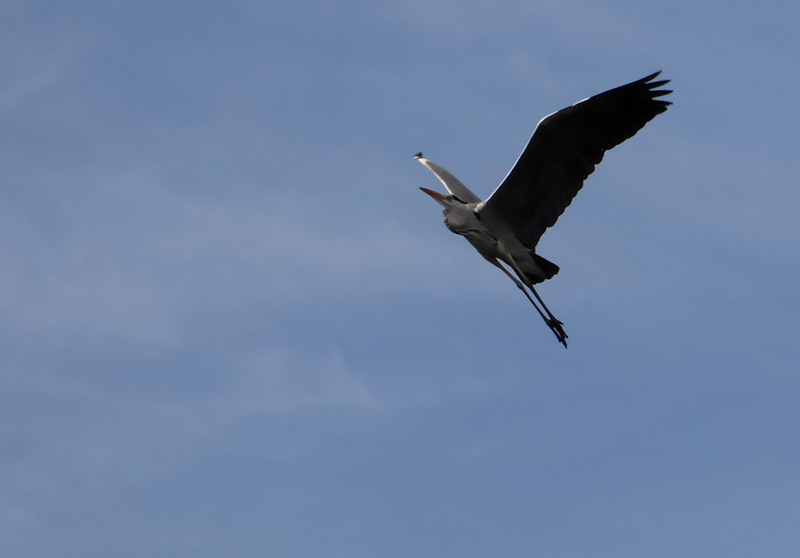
x=562 y=152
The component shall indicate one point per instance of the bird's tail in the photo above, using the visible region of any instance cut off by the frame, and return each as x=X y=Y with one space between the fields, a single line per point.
x=549 y=268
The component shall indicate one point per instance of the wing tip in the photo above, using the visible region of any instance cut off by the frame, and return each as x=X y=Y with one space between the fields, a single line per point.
x=652 y=85
x=654 y=92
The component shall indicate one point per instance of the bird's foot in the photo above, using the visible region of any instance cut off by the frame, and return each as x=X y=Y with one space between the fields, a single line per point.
x=556 y=326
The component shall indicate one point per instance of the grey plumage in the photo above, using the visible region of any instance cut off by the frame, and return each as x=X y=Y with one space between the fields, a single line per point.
x=562 y=152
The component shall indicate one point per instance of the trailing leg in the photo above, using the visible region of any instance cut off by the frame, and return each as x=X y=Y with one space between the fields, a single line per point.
x=551 y=321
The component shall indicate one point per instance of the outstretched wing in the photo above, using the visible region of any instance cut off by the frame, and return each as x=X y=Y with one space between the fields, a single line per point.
x=564 y=149
x=453 y=184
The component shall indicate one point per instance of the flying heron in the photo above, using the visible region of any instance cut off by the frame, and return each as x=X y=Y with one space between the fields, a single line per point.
x=563 y=151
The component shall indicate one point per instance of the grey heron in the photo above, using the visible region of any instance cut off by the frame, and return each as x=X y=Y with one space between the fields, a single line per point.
x=562 y=152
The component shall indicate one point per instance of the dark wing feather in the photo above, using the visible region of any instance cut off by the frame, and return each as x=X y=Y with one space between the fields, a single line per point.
x=564 y=149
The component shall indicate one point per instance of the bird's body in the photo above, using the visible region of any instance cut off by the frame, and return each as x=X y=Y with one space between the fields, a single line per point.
x=494 y=241
x=563 y=150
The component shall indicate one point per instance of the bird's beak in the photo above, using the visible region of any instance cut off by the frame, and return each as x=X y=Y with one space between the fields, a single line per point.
x=435 y=195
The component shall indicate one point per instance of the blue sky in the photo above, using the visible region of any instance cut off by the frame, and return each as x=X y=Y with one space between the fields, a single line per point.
x=233 y=326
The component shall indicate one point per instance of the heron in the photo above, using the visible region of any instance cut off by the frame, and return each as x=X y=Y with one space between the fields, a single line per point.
x=562 y=152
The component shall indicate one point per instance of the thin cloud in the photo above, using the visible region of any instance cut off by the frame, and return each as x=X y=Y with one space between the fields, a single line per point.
x=152 y=431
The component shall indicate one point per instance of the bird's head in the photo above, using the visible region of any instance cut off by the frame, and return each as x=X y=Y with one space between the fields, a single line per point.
x=458 y=215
